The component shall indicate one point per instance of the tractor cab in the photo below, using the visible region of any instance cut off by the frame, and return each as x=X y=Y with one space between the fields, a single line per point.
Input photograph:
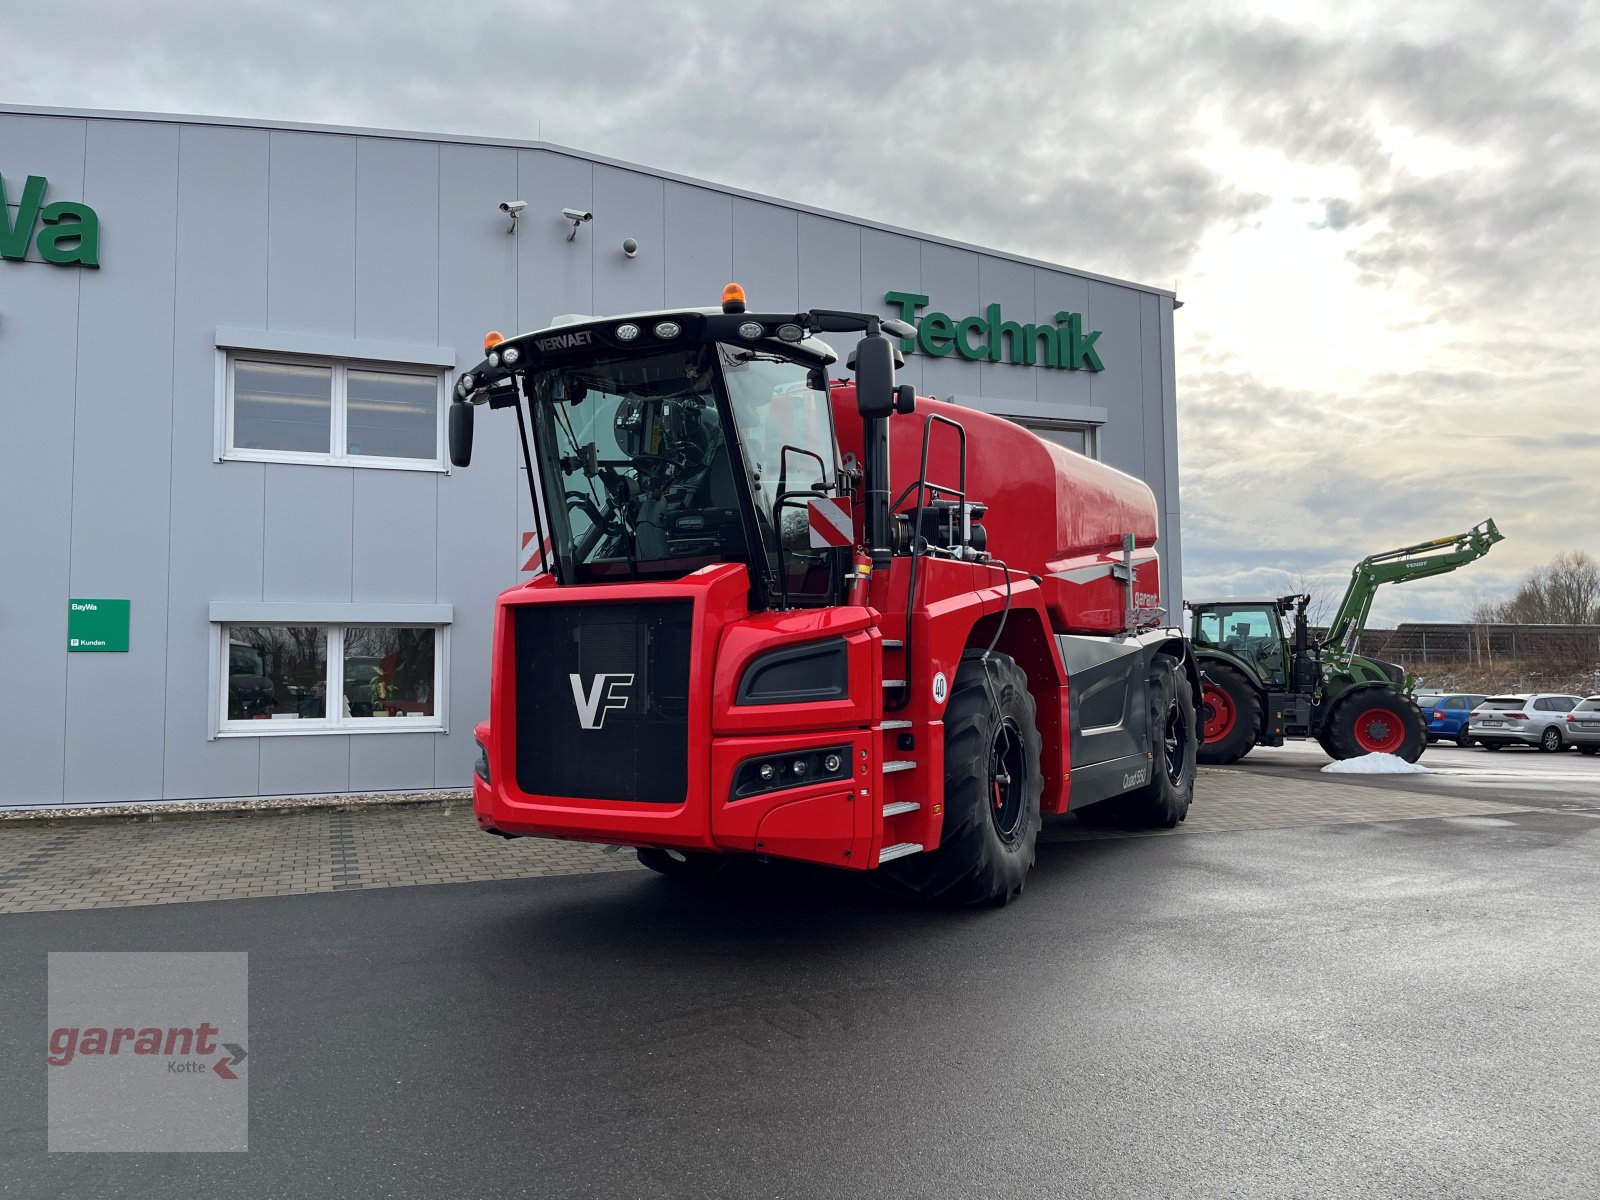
x=1251 y=631
x=669 y=441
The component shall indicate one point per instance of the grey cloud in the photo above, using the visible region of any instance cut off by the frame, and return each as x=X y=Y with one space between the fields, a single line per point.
x=1068 y=131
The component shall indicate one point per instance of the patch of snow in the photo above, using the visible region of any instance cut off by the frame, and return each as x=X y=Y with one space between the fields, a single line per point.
x=1375 y=764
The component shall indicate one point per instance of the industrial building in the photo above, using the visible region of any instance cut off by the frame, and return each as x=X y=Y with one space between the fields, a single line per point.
x=234 y=560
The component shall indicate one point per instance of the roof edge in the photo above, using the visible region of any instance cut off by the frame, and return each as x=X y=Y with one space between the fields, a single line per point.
x=93 y=114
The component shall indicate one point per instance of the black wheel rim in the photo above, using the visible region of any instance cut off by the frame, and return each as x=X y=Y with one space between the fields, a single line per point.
x=1175 y=738
x=1008 y=781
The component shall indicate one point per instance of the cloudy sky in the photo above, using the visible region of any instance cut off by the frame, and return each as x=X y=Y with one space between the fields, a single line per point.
x=1383 y=219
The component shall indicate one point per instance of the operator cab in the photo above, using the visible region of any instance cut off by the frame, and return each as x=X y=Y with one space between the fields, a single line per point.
x=663 y=442
x=1251 y=630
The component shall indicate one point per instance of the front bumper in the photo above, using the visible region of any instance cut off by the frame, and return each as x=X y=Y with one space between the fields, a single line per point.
x=827 y=822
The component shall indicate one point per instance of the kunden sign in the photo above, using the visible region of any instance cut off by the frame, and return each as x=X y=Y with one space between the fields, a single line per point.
x=991 y=338
x=69 y=232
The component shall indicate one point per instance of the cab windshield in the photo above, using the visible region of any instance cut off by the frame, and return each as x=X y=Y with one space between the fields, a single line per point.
x=643 y=477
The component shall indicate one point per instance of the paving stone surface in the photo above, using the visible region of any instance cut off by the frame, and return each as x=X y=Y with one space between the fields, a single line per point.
x=112 y=863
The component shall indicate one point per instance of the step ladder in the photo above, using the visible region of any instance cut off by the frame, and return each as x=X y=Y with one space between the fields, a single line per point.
x=903 y=819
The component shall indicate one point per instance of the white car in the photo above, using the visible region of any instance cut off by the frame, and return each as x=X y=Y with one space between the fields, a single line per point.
x=1583 y=726
x=1527 y=719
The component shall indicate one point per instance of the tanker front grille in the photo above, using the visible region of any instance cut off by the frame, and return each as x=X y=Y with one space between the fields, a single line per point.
x=603 y=700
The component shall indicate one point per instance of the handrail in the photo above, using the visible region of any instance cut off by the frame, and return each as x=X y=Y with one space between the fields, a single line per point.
x=923 y=486
x=782 y=501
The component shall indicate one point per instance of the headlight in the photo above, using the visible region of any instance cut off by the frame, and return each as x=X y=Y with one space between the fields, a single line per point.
x=482 y=765
x=668 y=329
x=511 y=356
x=626 y=332
x=797 y=768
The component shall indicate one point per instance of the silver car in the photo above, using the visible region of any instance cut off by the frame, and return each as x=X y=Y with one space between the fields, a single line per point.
x=1526 y=719
x=1583 y=726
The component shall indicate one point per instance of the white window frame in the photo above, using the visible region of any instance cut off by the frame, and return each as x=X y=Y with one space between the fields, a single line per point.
x=338 y=723
x=1089 y=429
x=338 y=455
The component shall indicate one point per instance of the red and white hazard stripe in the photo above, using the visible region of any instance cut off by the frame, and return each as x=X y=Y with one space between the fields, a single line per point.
x=831 y=522
x=539 y=556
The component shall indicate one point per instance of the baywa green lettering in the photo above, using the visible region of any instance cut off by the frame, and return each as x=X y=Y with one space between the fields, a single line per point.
x=70 y=233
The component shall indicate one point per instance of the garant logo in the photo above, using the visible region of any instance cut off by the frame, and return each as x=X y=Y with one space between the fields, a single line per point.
x=613 y=689
x=565 y=341
x=175 y=1045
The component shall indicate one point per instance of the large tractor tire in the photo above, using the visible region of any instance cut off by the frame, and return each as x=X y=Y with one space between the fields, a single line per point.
x=1165 y=800
x=1231 y=711
x=992 y=786
x=1377 y=721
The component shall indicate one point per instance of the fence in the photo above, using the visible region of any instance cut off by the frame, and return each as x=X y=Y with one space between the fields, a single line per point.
x=1493 y=657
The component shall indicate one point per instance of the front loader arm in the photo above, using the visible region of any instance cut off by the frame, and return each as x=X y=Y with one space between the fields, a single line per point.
x=1402 y=566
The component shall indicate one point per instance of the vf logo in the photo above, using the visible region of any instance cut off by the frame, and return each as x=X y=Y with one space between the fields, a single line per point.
x=605 y=693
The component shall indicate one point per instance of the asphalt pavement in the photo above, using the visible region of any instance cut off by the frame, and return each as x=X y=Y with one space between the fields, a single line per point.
x=1373 y=1008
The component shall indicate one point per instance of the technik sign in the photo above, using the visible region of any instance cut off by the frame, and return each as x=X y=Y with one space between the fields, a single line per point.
x=991 y=338
x=70 y=232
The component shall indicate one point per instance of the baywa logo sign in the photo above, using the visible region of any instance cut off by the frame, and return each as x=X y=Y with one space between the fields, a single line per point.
x=68 y=232
x=992 y=338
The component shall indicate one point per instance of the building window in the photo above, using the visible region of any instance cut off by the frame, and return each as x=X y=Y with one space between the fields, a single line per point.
x=314 y=410
x=1077 y=436
x=331 y=678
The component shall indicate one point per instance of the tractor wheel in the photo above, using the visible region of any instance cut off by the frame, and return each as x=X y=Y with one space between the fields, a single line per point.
x=688 y=866
x=1326 y=743
x=1377 y=721
x=1165 y=800
x=992 y=785
x=1231 y=711
x=1551 y=740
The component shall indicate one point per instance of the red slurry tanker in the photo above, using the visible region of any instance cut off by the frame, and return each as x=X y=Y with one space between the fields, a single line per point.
x=794 y=618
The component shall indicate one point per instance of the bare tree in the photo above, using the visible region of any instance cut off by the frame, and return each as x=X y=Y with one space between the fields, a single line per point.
x=1324 y=591
x=1565 y=591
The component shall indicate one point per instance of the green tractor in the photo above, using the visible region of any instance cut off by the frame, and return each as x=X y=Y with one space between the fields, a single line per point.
x=1259 y=686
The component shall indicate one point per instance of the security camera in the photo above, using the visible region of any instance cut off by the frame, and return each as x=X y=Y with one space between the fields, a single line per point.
x=576 y=215
x=513 y=209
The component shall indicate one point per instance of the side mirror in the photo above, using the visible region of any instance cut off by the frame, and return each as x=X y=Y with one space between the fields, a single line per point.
x=874 y=367
x=460 y=433
x=905 y=399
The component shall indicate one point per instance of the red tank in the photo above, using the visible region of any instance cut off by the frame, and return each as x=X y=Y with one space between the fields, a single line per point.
x=1052 y=513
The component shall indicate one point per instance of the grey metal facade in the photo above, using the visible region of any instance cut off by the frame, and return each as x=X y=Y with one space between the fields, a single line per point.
x=356 y=241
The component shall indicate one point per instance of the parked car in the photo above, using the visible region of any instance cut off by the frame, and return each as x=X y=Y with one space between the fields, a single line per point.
x=1447 y=716
x=1583 y=726
x=1526 y=719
